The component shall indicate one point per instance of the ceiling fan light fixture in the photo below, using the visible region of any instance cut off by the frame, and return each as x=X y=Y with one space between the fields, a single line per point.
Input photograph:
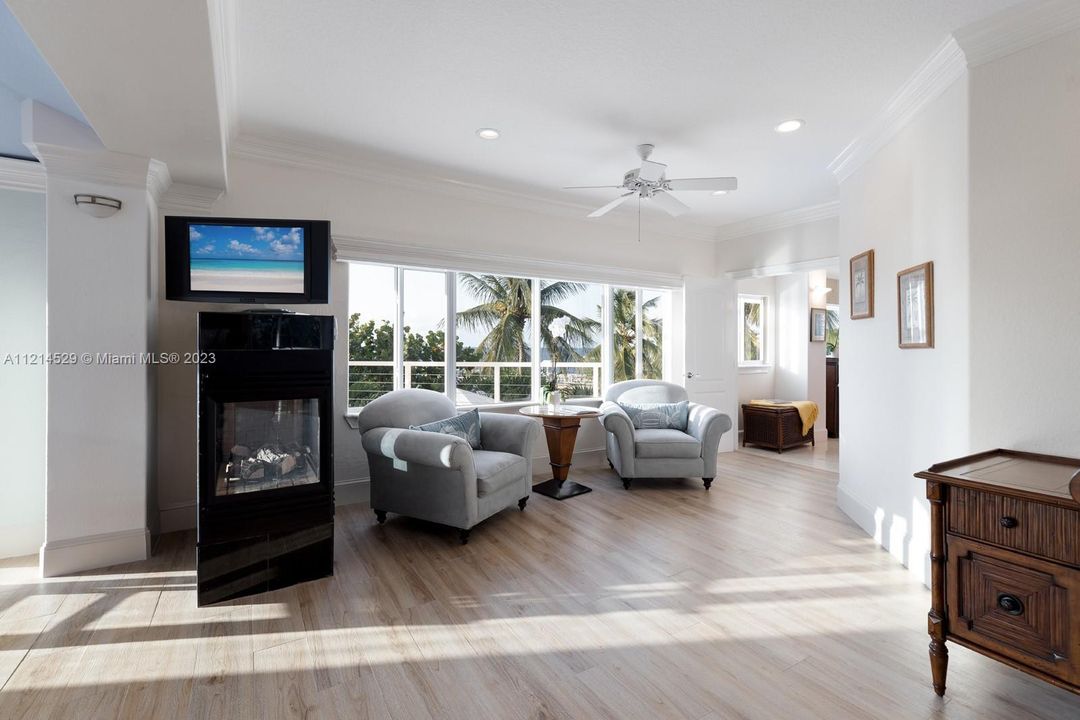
x=789 y=126
x=488 y=133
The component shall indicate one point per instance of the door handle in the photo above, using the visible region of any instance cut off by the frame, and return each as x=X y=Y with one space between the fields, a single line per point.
x=690 y=374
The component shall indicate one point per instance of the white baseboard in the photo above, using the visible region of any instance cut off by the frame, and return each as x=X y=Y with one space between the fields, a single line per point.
x=180 y=516
x=351 y=492
x=860 y=513
x=64 y=557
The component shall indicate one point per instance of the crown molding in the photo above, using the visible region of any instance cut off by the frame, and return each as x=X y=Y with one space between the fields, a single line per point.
x=292 y=153
x=941 y=70
x=362 y=249
x=26 y=175
x=99 y=167
x=1016 y=28
x=778 y=221
x=183 y=198
x=158 y=179
x=224 y=21
x=824 y=263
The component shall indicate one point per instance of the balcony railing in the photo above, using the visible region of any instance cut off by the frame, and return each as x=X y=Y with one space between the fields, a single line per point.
x=478 y=383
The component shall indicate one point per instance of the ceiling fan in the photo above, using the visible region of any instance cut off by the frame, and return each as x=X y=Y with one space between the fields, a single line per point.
x=650 y=182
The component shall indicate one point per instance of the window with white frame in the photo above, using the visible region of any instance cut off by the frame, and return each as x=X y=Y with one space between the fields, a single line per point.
x=752 y=349
x=401 y=321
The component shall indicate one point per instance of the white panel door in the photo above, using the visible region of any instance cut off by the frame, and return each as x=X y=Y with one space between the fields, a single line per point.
x=710 y=347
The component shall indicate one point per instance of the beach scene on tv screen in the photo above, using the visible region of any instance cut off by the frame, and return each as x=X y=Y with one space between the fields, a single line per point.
x=235 y=258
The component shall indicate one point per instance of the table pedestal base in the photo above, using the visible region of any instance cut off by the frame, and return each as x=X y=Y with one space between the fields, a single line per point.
x=568 y=489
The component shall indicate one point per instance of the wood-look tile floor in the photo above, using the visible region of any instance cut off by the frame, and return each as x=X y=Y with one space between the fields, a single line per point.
x=758 y=599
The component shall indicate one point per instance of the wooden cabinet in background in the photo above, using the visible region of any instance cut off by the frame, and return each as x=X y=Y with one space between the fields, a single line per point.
x=832 y=397
x=1005 y=563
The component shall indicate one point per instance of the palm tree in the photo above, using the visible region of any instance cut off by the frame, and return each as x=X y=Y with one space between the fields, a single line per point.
x=624 y=335
x=752 y=336
x=505 y=306
x=832 y=331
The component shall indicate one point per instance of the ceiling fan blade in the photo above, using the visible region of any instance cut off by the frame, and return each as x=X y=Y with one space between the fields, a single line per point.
x=712 y=184
x=592 y=187
x=670 y=204
x=611 y=205
x=651 y=171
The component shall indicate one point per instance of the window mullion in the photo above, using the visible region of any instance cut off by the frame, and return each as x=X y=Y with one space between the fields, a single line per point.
x=399 y=329
x=534 y=341
x=639 y=325
x=607 y=351
x=450 y=338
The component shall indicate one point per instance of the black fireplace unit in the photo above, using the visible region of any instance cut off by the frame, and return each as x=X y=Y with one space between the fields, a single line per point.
x=266 y=459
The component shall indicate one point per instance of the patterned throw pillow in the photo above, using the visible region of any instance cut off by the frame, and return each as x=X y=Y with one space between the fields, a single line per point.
x=659 y=416
x=465 y=426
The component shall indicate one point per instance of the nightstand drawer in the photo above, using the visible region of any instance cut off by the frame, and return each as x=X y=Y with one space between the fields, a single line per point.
x=1020 y=607
x=1041 y=529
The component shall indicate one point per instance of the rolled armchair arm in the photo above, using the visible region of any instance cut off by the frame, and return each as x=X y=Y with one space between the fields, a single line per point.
x=418 y=446
x=618 y=423
x=508 y=433
x=707 y=425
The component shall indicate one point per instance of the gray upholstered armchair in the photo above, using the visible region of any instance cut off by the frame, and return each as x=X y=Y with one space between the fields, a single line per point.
x=660 y=453
x=439 y=477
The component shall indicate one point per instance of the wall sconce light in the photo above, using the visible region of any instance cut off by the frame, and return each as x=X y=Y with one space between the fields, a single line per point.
x=97 y=205
x=821 y=289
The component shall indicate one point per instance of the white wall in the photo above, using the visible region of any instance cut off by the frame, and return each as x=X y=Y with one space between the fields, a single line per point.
x=792 y=344
x=362 y=209
x=815 y=351
x=98 y=424
x=795 y=244
x=903 y=410
x=1025 y=251
x=758 y=383
x=22 y=386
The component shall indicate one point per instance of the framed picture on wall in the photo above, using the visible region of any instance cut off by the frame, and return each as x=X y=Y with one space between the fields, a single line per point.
x=862 y=285
x=817 y=324
x=915 y=306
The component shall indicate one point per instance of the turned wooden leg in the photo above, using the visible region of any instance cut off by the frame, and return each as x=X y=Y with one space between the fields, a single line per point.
x=626 y=483
x=464 y=535
x=708 y=482
x=380 y=515
x=936 y=618
x=939 y=664
x=521 y=503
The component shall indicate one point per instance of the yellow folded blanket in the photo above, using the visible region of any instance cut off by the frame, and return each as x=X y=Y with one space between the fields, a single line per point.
x=808 y=411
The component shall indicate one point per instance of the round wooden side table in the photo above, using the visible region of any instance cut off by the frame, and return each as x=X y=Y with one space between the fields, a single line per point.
x=561 y=423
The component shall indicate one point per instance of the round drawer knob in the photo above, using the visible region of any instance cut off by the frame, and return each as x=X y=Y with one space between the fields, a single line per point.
x=1008 y=522
x=1010 y=604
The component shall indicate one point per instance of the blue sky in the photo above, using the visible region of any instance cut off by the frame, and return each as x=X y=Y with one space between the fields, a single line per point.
x=246 y=243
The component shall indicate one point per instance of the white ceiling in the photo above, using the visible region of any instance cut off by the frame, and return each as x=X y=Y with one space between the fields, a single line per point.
x=574 y=86
x=142 y=73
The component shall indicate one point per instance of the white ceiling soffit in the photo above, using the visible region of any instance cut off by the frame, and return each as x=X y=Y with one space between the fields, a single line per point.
x=416 y=80
x=367 y=167
x=780 y=220
x=143 y=74
x=359 y=249
x=1001 y=34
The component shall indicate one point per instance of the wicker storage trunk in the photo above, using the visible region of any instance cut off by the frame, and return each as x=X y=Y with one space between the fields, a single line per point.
x=778 y=427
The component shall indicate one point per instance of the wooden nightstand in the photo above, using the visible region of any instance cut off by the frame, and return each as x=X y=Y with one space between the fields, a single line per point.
x=1005 y=563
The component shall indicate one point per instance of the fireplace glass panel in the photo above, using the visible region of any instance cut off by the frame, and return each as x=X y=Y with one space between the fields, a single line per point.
x=266 y=445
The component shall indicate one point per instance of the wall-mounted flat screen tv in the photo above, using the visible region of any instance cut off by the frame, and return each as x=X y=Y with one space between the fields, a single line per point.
x=247 y=260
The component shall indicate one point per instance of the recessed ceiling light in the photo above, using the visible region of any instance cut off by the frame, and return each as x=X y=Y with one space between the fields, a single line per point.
x=487 y=134
x=720 y=192
x=789 y=126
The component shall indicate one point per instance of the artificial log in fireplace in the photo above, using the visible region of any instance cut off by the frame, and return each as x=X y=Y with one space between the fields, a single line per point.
x=266 y=500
